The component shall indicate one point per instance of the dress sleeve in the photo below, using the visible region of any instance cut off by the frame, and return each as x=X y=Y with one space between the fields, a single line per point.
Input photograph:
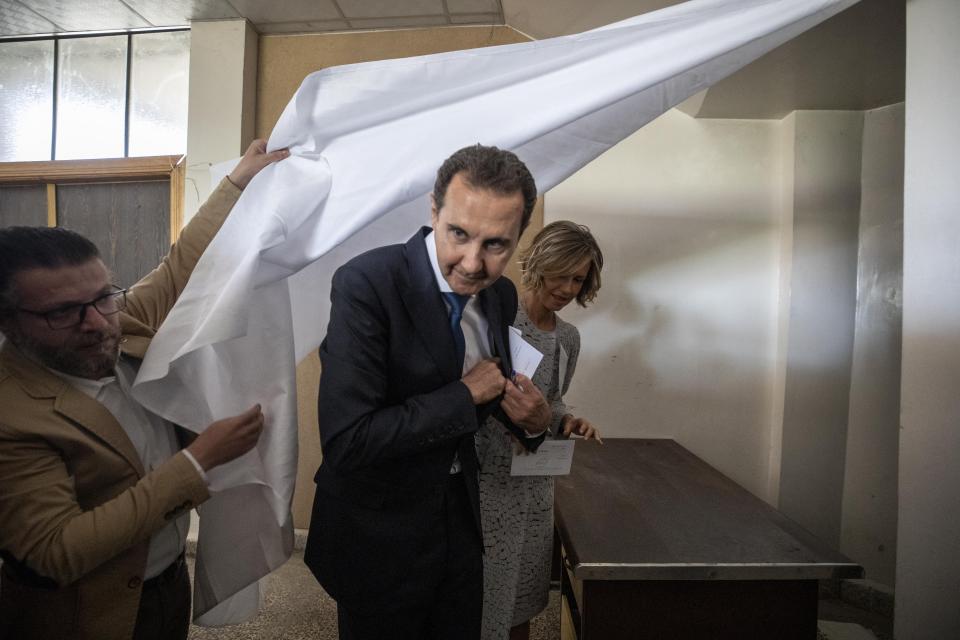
x=569 y=339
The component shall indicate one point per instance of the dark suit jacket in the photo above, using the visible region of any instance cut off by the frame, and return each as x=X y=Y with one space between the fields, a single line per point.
x=392 y=414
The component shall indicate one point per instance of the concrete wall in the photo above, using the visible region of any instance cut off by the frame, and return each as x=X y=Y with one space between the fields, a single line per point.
x=220 y=120
x=928 y=532
x=730 y=318
x=869 y=526
x=681 y=340
x=822 y=291
x=788 y=144
x=286 y=60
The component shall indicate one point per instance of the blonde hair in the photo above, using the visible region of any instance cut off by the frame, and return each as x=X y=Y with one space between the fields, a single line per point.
x=558 y=249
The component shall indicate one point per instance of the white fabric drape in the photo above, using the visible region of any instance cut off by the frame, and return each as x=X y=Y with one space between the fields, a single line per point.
x=366 y=140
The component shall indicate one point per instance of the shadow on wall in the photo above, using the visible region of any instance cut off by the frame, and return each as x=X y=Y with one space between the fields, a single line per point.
x=681 y=342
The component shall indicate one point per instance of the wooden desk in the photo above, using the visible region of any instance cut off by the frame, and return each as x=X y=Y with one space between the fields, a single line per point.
x=656 y=543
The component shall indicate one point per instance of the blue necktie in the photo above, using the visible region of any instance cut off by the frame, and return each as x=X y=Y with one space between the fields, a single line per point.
x=457 y=303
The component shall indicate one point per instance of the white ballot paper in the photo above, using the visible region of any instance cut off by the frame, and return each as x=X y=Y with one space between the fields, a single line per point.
x=523 y=356
x=552 y=458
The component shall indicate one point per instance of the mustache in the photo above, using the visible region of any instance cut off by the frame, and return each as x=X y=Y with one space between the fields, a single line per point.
x=95 y=338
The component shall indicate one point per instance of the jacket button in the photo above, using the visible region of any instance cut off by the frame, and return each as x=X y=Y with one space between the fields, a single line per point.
x=135 y=582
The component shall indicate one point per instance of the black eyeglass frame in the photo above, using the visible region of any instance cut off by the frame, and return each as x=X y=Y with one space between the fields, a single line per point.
x=118 y=296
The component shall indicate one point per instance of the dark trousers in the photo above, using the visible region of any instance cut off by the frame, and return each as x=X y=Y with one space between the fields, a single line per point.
x=164 y=612
x=456 y=608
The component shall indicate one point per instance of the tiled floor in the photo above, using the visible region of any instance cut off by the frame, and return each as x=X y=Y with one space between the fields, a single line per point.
x=295 y=608
x=840 y=612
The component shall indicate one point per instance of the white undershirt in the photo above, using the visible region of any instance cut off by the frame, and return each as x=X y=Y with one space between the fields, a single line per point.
x=475 y=327
x=474 y=324
x=155 y=442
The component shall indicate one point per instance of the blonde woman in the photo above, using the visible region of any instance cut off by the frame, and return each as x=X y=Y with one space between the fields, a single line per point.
x=561 y=265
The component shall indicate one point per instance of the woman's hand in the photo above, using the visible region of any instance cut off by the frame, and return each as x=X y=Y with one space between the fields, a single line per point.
x=580 y=427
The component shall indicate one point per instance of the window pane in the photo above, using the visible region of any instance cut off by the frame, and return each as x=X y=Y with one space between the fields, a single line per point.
x=158 y=93
x=26 y=100
x=90 y=97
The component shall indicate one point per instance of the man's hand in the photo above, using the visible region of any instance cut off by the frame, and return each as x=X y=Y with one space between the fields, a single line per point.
x=253 y=160
x=485 y=381
x=525 y=405
x=580 y=427
x=227 y=439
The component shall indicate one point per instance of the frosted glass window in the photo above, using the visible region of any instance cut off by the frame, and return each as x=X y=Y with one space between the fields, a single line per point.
x=91 y=96
x=159 y=81
x=26 y=100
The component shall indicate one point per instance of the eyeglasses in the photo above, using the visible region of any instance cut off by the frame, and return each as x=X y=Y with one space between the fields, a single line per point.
x=73 y=315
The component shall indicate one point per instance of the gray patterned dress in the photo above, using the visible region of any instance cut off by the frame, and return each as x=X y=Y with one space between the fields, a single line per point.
x=517 y=511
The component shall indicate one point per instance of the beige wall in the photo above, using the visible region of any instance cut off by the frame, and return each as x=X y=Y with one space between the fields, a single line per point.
x=840 y=330
x=223 y=75
x=928 y=532
x=286 y=60
x=283 y=63
x=869 y=524
x=826 y=168
x=729 y=310
x=681 y=340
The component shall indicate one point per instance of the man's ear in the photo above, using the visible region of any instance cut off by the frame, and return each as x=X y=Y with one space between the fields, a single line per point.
x=434 y=212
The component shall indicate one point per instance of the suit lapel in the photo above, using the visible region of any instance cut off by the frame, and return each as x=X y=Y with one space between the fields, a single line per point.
x=95 y=418
x=87 y=413
x=499 y=338
x=426 y=308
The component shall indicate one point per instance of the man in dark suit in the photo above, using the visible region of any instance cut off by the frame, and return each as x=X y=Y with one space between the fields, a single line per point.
x=416 y=357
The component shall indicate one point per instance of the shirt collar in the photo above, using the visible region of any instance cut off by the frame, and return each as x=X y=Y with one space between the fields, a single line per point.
x=91 y=387
x=121 y=373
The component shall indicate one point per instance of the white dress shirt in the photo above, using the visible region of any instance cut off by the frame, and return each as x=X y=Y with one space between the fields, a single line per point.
x=155 y=442
x=475 y=327
x=474 y=324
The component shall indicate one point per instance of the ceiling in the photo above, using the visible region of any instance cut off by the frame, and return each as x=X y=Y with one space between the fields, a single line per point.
x=21 y=17
x=855 y=60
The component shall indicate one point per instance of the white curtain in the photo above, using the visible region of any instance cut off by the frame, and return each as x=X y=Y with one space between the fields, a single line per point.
x=366 y=140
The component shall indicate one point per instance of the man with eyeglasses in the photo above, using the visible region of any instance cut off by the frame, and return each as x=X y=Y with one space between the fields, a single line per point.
x=95 y=490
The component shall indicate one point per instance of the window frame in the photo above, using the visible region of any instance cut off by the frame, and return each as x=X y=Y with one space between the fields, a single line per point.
x=137 y=169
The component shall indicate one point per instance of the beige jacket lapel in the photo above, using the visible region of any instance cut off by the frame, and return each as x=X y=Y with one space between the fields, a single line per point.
x=38 y=382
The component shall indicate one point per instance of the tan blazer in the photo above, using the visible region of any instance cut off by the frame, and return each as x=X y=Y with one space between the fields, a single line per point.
x=76 y=509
